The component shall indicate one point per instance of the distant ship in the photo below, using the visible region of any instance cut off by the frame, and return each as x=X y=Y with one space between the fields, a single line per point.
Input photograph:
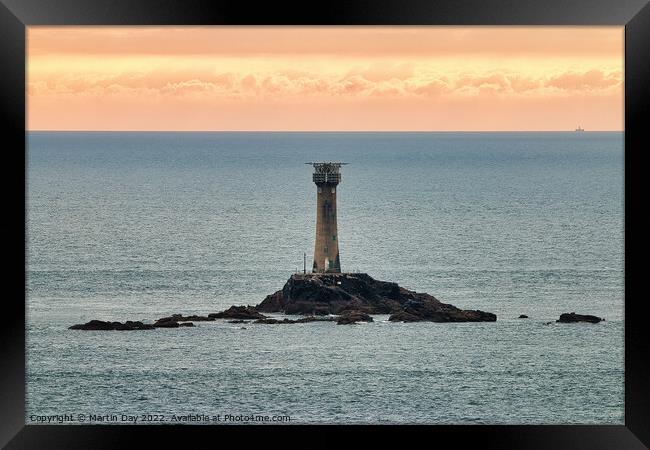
x=580 y=128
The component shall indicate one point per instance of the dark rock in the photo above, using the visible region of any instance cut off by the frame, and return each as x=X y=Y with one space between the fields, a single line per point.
x=429 y=309
x=101 y=325
x=93 y=325
x=182 y=318
x=403 y=316
x=334 y=293
x=166 y=322
x=130 y=325
x=573 y=318
x=192 y=318
x=169 y=324
x=272 y=303
x=316 y=319
x=270 y=321
x=307 y=319
x=238 y=312
x=351 y=296
x=352 y=317
x=321 y=311
x=523 y=316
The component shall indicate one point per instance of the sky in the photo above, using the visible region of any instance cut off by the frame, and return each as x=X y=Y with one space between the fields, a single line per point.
x=399 y=78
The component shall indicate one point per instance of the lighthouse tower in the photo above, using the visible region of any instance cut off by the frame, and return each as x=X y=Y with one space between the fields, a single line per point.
x=327 y=176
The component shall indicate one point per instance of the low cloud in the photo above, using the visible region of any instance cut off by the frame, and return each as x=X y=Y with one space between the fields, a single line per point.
x=590 y=80
x=398 y=81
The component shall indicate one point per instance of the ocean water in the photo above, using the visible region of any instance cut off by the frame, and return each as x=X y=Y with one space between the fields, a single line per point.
x=136 y=226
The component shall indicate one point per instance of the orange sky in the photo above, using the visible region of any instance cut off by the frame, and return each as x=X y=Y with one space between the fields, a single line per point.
x=325 y=78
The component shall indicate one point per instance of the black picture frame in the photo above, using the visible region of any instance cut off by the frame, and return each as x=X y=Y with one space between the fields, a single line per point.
x=16 y=15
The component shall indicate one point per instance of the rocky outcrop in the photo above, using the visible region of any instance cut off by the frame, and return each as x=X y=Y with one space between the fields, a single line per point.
x=101 y=325
x=192 y=318
x=336 y=293
x=179 y=320
x=429 y=309
x=182 y=318
x=272 y=303
x=271 y=321
x=166 y=322
x=350 y=296
x=238 y=312
x=403 y=316
x=523 y=316
x=321 y=294
x=573 y=318
x=352 y=317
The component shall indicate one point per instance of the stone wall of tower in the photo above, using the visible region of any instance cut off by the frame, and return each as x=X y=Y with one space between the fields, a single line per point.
x=326 y=250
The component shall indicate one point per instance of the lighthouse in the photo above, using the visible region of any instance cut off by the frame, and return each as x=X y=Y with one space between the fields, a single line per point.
x=327 y=176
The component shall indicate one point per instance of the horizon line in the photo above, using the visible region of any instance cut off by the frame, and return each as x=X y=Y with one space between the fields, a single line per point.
x=322 y=131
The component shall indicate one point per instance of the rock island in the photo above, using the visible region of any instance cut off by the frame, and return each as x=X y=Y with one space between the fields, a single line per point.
x=325 y=294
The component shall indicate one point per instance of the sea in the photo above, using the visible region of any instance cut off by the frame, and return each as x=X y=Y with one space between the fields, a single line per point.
x=141 y=225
